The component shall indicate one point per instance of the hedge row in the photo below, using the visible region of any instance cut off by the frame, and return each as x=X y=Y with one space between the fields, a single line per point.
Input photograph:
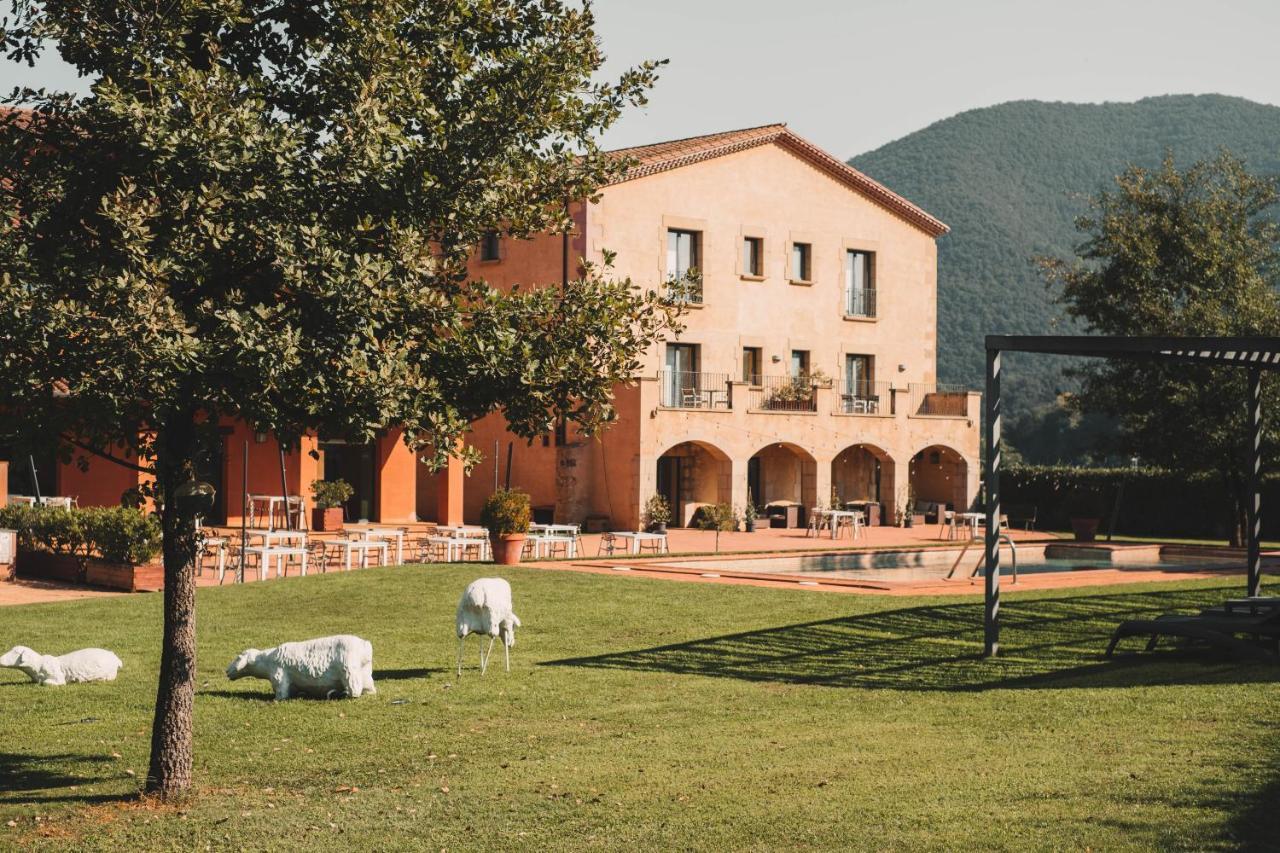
x=1152 y=501
x=116 y=534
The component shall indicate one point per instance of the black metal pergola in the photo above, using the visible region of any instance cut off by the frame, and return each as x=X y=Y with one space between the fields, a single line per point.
x=1253 y=354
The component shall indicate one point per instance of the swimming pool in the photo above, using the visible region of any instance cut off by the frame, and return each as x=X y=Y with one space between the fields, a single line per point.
x=930 y=564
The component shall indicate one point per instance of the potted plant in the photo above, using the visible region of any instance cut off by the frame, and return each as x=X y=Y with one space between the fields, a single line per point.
x=749 y=514
x=657 y=514
x=1084 y=508
x=506 y=515
x=329 y=495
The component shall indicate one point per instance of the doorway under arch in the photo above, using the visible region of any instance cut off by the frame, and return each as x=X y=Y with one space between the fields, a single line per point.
x=939 y=474
x=693 y=474
x=783 y=473
x=864 y=472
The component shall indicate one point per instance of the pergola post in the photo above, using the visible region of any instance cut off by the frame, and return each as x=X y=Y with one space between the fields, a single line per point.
x=1254 y=507
x=991 y=615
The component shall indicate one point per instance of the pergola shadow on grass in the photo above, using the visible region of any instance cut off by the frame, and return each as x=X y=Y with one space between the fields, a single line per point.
x=1252 y=354
x=20 y=774
x=1053 y=643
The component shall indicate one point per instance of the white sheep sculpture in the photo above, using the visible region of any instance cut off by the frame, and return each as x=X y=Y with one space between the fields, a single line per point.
x=50 y=671
x=485 y=608
x=323 y=668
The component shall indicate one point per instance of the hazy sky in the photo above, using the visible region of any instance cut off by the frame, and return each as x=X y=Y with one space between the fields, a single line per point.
x=853 y=74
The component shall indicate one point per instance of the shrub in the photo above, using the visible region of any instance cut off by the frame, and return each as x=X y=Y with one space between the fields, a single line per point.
x=657 y=510
x=123 y=535
x=117 y=534
x=717 y=517
x=506 y=511
x=331 y=493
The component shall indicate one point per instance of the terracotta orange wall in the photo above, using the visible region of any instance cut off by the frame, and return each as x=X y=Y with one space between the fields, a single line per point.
x=397 y=488
x=264 y=467
x=533 y=467
x=441 y=493
x=535 y=260
x=102 y=483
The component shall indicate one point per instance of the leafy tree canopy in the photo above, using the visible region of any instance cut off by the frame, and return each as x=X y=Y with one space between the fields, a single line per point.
x=264 y=209
x=1177 y=252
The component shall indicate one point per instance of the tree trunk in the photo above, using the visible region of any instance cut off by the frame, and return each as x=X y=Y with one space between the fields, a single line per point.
x=169 y=775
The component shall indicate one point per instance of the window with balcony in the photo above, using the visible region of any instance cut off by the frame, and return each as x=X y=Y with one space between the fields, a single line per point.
x=802 y=262
x=752 y=365
x=859 y=284
x=490 y=246
x=684 y=259
x=685 y=386
x=753 y=257
x=861 y=394
x=799 y=363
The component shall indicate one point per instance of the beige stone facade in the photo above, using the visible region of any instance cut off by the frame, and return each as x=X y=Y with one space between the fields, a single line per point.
x=806 y=371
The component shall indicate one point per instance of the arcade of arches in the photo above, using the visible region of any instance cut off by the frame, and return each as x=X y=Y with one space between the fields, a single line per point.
x=696 y=473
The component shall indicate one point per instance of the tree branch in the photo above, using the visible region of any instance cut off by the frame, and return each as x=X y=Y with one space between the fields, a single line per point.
x=123 y=463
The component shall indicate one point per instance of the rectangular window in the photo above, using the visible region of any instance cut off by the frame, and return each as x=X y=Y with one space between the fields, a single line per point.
x=857 y=372
x=801 y=262
x=753 y=256
x=684 y=254
x=859 y=286
x=799 y=363
x=861 y=395
x=490 y=246
x=681 y=380
x=752 y=364
x=683 y=250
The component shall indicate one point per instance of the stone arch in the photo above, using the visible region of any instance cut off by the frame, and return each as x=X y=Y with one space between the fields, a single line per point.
x=782 y=472
x=692 y=474
x=940 y=474
x=865 y=472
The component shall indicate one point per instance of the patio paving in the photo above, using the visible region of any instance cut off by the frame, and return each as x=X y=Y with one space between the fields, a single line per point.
x=764 y=541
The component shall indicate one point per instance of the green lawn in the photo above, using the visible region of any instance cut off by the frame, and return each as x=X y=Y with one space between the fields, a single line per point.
x=647 y=714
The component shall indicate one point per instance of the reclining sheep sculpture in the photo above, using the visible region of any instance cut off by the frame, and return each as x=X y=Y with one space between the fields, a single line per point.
x=50 y=671
x=324 y=667
x=485 y=608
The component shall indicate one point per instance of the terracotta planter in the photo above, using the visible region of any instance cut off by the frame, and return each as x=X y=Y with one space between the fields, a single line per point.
x=326 y=519
x=124 y=576
x=1085 y=528
x=507 y=548
x=47 y=566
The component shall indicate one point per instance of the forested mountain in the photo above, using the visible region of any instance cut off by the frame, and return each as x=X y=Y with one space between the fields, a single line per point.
x=1010 y=180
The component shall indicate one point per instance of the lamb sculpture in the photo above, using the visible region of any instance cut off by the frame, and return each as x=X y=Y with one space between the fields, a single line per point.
x=323 y=668
x=50 y=671
x=485 y=608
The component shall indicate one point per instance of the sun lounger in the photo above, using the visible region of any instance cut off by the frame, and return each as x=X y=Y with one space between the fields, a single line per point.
x=1218 y=626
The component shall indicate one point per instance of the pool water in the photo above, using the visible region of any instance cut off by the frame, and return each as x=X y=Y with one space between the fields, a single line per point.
x=916 y=566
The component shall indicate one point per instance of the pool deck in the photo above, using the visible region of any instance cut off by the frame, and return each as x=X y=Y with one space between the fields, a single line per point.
x=701 y=545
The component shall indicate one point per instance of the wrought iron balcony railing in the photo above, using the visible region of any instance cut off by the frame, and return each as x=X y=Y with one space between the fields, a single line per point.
x=685 y=390
x=866 y=398
x=860 y=302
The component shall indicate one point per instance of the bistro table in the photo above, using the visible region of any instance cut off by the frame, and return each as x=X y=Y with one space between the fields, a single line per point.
x=388 y=533
x=544 y=544
x=971 y=519
x=270 y=537
x=282 y=553
x=31 y=500
x=835 y=515
x=635 y=538
x=351 y=545
x=293 y=504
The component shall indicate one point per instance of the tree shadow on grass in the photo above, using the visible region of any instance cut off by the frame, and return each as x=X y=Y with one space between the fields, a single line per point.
x=21 y=775
x=405 y=674
x=1045 y=643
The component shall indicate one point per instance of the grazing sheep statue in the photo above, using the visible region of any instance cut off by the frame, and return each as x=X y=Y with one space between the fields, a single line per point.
x=50 y=671
x=485 y=608
x=322 y=667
